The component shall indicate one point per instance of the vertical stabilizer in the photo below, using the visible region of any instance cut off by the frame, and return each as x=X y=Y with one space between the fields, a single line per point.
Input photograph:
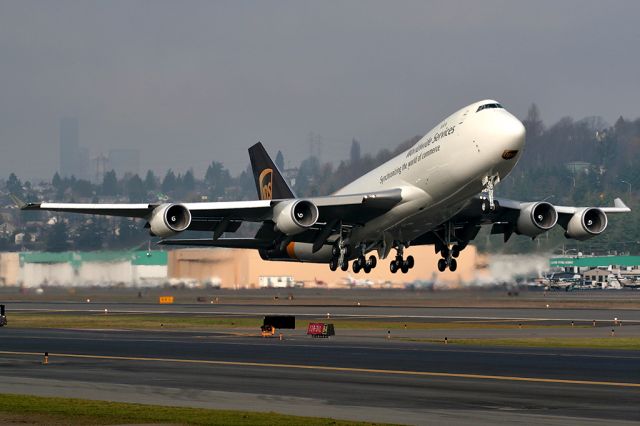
x=269 y=180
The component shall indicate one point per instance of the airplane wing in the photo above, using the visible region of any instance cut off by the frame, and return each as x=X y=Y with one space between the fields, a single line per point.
x=529 y=218
x=225 y=217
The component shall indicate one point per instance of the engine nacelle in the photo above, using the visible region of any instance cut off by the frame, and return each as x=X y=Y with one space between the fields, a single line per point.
x=536 y=218
x=293 y=217
x=301 y=252
x=586 y=223
x=169 y=219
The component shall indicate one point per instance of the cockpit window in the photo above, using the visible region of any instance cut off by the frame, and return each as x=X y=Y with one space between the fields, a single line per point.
x=488 y=106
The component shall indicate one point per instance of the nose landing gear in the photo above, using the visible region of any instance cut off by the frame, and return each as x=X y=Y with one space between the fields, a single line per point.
x=489 y=182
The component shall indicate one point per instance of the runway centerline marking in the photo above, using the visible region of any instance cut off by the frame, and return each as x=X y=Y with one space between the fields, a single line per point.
x=336 y=369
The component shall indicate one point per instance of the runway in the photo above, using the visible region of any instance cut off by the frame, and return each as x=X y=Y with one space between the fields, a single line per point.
x=366 y=379
x=340 y=311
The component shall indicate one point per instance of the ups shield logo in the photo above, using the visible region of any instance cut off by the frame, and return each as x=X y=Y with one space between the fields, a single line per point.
x=509 y=154
x=266 y=184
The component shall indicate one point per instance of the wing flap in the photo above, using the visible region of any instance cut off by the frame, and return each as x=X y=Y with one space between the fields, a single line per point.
x=123 y=210
x=241 y=243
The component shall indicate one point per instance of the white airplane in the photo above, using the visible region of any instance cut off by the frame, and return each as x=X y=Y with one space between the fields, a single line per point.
x=438 y=192
x=352 y=282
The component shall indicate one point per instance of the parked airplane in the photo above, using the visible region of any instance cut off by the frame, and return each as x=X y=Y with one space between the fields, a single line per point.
x=357 y=283
x=439 y=192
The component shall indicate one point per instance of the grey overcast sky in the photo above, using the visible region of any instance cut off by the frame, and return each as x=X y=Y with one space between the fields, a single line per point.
x=188 y=82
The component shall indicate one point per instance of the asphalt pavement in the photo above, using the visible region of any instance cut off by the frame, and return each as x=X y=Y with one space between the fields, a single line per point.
x=372 y=379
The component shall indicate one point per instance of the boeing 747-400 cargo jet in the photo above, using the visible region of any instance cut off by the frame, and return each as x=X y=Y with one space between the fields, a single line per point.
x=438 y=192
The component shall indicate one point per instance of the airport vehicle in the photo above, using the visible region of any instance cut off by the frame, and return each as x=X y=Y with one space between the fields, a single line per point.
x=3 y=317
x=438 y=192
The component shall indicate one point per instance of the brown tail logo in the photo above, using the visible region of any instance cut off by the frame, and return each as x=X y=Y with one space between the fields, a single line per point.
x=266 y=184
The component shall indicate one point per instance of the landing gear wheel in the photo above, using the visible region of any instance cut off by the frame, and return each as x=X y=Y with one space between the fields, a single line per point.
x=393 y=267
x=366 y=268
x=404 y=267
x=455 y=251
x=335 y=250
x=453 y=265
x=333 y=264
x=445 y=252
x=442 y=265
x=356 y=266
x=373 y=262
x=410 y=261
x=344 y=266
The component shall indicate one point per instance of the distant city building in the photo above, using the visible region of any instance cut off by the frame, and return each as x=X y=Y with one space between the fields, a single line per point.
x=124 y=161
x=74 y=160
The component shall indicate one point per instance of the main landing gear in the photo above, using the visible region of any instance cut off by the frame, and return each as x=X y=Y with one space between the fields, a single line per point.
x=448 y=250
x=362 y=263
x=340 y=253
x=400 y=264
x=449 y=259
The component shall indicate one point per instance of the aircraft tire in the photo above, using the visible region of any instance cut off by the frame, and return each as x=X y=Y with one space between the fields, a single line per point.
x=356 y=266
x=333 y=264
x=345 y=266
x=453 y=265
x=410 y=261
x=393 y=267
x=442 y=265
x=404 y=268
x=366 y=268
x=373 y=262
x=455 y=251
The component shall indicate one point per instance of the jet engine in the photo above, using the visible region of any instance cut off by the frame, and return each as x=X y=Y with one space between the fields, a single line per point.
x=586 y=223
x=295 y=216
x=536 y=218
x=169 y=219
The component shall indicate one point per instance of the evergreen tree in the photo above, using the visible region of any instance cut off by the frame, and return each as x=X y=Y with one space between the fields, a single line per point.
x=56 y=239
x=354 y=154
x=110 y=184
x=188 y=181
x=169 y=182
x=533 y=122
x=217 y=179
x=150 y=181
x=56 y=182
x=14 y=186
x=136 y=189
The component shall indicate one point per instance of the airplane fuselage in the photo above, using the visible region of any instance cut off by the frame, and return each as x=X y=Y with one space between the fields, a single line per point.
x=443 y=170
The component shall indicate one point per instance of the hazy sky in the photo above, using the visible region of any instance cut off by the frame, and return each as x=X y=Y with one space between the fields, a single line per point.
x=188 y=82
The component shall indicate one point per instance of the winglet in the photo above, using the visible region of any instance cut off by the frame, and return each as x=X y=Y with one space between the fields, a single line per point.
x=18 y=202
x=23 y=205
x=619 y=204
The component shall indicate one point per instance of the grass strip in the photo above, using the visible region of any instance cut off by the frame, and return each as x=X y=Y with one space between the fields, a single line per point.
x=210 y=322
x=67 y=411
x=625 y=343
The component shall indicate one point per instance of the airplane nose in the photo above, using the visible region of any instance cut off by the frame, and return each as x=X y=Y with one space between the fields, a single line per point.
x=512 y=133
x=508 y=137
